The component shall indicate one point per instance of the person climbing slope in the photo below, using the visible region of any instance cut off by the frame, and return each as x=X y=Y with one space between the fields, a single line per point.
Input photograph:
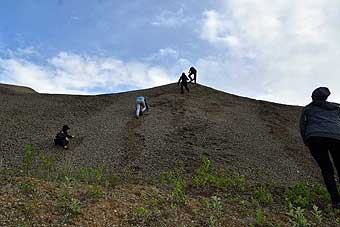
x=63 y=138
x=141 y=106
x=184 y=82
x=320 y=131
x=192 y=71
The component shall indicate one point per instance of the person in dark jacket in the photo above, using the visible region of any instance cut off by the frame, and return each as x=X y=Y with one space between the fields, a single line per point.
x=320 y=131
x=184 y=82
x=192 y=71
x=63 y=138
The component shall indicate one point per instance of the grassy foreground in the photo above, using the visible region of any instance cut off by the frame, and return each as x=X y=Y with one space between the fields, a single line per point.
x=40 y=194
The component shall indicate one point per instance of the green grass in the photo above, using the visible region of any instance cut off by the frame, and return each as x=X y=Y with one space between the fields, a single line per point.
x=217 y=192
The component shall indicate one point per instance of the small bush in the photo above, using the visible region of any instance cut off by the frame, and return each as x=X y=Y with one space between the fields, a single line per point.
x=75 y=206
x=90 y=175
x=177 y=186
x=95 y=191
x=213 y=222
x=67 y=204
x=260 y=218
x=317 y=215
x=205 y=202
x=165 y=177
x=24 y=225
x=27 y=186
x=113 y=180
x=297 y=216
x=263 y=196
x=320 y=194
x=146 y=214
x=299 y=195
x=45 y=166
x=205 y=176
x=68 y=182
x=215 y=210
x=177 y=193
x=64 y=171
x=142 y=212
x=216 y=205
x=28 y=158
x=337 y=220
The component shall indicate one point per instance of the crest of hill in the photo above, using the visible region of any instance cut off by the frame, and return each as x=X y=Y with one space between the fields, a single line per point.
x=14 y=89
x=255 y=138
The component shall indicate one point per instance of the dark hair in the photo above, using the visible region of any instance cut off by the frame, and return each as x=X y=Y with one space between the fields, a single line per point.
x=65 y=128
x=320 y=94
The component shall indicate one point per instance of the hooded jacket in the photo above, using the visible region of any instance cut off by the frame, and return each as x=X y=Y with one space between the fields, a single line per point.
x=183 y=79
x=320 y=119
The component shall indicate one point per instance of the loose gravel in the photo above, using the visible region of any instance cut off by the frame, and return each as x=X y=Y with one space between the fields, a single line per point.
x=255 y=138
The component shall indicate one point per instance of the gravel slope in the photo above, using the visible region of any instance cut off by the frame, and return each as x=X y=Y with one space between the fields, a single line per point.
x=258 y=139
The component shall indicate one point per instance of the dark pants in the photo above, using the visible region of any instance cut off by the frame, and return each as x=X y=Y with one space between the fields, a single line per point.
x=61 y=142
x=184 y=85
x=192 y=79
x=320 y=148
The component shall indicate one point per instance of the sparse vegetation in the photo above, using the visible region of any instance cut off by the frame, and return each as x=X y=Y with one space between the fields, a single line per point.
x=142 y=212
x=216 y=209
x=28 y=158
x=263 y=196
x=27 y=186
x=299 y=195
x=90 y=175
x=68 y=182
x=206 y=176
x=67 y=204
x=317 y=215
x=260 y=218
x=297 y=216
x=45 y=166
x=209 y=196
x=177 y=186
x=113 y=180
x=95 y=191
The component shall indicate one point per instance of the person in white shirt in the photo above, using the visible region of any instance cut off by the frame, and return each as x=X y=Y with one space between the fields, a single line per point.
x=141 y=106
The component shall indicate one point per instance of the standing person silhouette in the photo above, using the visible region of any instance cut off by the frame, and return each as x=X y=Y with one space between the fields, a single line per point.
x=184 y=82
x=192 y=71
x=320 y=131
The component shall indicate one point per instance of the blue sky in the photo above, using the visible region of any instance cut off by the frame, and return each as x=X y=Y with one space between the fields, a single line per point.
x=125 y=29
x=274 y=50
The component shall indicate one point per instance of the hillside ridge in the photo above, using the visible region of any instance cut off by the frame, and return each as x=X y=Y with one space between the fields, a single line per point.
x=255 y=138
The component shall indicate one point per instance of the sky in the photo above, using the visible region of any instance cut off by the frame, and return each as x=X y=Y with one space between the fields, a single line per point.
x=274 y=50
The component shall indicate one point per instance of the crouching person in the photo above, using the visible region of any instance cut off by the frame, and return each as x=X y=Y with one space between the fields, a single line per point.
x=141 y=106
x=63 y=138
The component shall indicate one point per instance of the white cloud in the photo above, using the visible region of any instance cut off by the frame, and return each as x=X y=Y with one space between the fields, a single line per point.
x=276 y=50
x=171 y=18
x=164 y=53
x=172 y=59
x=22 y=52
x=76 y=74
x=215 y=30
